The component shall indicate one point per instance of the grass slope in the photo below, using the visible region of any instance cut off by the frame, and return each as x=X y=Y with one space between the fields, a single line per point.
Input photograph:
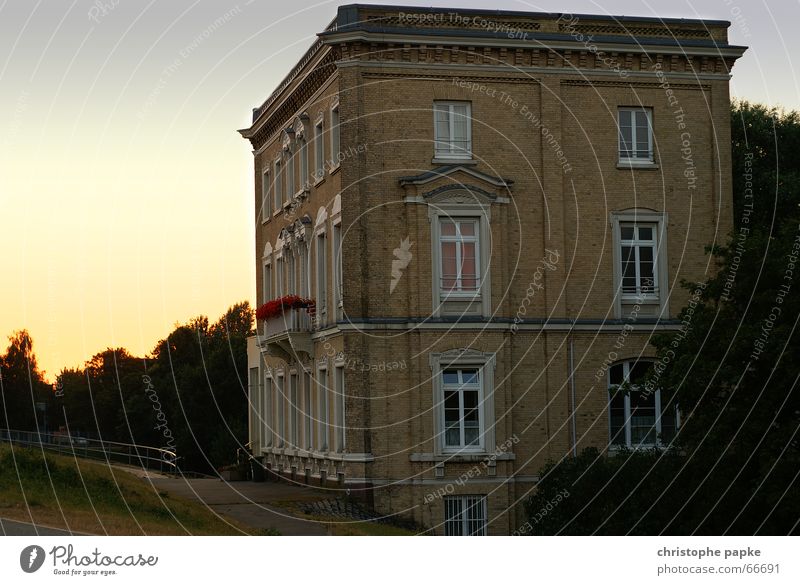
x=62 y=492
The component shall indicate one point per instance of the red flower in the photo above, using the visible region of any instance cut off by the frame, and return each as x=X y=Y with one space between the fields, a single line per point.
x=276 y=307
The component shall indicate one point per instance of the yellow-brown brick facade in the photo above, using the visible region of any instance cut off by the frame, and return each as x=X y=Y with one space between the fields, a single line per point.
x=352 y=397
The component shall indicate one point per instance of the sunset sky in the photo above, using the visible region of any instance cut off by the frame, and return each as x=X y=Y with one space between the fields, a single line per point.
x=126 y=198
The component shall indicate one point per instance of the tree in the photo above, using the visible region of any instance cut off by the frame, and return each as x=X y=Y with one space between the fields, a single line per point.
x=21 y=385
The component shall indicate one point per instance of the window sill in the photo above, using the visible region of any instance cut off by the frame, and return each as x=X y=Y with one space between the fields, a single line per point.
x=472 y=457
x=277 y=212
x=614 y=449
x=453 y=160
x=459 y=297
x=319 y=181
x=628 y=300
x=633 y=164
x=334 y=168
x=266 y=220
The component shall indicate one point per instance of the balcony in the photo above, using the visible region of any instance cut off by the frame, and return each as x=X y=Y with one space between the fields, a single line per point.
x=286 y=332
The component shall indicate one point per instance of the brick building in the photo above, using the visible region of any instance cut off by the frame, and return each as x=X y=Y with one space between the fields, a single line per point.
x=492 y=213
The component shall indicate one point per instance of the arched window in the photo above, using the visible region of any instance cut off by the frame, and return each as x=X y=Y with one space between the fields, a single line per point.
x=637 y=417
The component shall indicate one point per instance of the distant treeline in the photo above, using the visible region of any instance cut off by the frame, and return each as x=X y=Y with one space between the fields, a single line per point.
x=188 y=395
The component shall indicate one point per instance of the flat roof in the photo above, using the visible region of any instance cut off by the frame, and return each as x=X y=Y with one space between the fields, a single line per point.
x=526 y=14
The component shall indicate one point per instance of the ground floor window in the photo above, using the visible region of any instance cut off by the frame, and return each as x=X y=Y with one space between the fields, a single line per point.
x=637 y=416
x=465 y=516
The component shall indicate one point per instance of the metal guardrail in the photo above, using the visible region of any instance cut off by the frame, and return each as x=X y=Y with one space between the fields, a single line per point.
x=149 y=458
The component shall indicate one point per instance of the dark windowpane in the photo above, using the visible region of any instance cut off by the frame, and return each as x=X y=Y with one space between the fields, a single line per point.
x=450 y=376
x=645 y=233
x=470 y=399
x=668 y=424
x=451 y=400
x=470 y=376
x=626 y=232
x=616 y=374
x=617 y=412
x=638 y=371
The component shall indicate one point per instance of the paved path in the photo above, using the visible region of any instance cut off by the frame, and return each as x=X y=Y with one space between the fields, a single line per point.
x=250 y=503
x=15 y=528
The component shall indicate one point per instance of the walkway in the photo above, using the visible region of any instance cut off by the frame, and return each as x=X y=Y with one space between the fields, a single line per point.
x=252 y=504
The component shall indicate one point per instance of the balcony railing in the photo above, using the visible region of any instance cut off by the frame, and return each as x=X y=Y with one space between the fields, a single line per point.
x=287 y=331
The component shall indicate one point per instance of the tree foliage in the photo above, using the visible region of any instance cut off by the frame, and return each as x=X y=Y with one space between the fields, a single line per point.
x=189 y=394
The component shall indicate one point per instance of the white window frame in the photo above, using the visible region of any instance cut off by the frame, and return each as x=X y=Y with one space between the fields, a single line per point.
x=660 y=298
x=451 y=152
x=485 y=364
x=308 y=411
x=458 y=239
x=304 y=173
x=277 y=185
x=335 y=136
x=482 y=213
x=266 y=280
x=319 y=149
x=626 y=365
x=269 y=408
x=280 y=404
x=322 y=419
x=321 y=290
x=289 y=183
x=266 y=207
x=294 y=410
x=254 y=399
x=336 y=243
x=279 y=277
x=456 y=521
x=645 y=158
x=339 y=408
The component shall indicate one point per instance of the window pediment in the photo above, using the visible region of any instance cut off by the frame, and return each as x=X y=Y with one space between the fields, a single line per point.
x=457 y=183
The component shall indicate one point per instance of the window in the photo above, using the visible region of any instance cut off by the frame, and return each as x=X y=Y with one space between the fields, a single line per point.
x=465 y=516
x=339 y=410
x=277 y=188
x=638 y=257
x=294 y=410
x=268 y=410
x=265 y=202
x=322 y=388
x=308 y=409
x=280 y=400
x=291 y=274
x=337 y=272
x=255 y=407
x=637 y=417
x=640 y=263
x=302 y=254
x=463 y=401
x=289 y=182
x=452 y=130
x=335 y=148
x=322 y=277
x=635 y=135
x=462 y=413
x=266 y=290
x=460 y=266
x=319 y=152
x=303 y=162
x=279 y=291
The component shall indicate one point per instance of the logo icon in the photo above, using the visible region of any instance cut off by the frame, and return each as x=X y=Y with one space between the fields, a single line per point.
x=403 y=257
x=31 y=558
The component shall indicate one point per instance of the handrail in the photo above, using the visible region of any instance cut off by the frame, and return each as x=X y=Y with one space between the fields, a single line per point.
x=146 y=456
